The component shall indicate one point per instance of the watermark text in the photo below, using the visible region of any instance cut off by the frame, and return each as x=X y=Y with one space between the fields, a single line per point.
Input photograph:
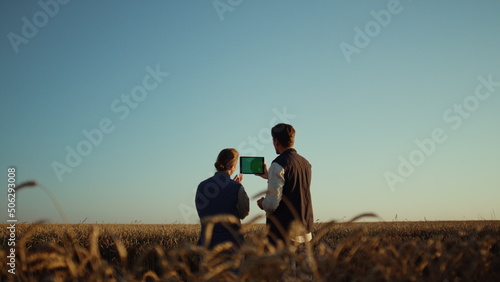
x=454 y=117
x=30 y=27
x=11 y=215
x=121 y=107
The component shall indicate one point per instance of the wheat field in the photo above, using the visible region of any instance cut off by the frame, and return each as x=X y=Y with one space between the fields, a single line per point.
x=374 y=251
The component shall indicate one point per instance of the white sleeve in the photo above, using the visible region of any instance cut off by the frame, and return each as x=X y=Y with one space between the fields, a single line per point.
x=276 y=180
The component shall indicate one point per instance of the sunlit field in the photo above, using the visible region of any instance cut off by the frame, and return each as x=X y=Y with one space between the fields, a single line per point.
x=388 y=251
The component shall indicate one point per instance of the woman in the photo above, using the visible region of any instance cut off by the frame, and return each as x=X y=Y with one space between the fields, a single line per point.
x=219 y=195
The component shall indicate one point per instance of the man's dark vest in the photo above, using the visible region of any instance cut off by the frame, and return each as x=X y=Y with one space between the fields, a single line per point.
x=216 y=196
x=296 y=198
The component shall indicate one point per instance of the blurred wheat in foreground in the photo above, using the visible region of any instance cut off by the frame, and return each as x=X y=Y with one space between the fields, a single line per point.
x=397 y=251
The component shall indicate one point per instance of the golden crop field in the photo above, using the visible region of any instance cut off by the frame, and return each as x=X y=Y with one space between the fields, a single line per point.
x=383 y=251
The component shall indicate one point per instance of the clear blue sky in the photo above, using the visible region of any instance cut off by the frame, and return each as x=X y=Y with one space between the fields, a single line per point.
x=234 y=69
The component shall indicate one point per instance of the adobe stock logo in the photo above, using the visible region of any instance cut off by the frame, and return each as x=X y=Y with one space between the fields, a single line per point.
x=29 y=29
x=223 y=6
x=122 y=107
x=453 y=116
x=363 y=37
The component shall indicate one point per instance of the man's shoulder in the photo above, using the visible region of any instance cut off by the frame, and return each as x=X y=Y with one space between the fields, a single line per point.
x=280 y=160
x=288 y=156
x=301 y=158
x=295 y=162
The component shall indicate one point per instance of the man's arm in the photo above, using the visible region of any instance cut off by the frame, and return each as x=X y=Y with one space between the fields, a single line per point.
x=243 y=205
x=275 y=185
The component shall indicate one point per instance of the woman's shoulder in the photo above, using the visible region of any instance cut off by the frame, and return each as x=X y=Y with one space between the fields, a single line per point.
x=235 y=184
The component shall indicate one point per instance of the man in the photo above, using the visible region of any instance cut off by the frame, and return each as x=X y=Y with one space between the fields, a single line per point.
x=288 y=196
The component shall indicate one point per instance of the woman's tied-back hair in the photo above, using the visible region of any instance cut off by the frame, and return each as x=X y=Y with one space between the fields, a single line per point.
x=284 y=133
x=226 y=159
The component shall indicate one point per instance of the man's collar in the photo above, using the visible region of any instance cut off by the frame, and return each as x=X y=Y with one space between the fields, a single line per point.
x=289 y=150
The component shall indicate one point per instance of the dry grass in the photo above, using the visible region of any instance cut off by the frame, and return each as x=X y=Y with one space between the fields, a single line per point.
x=397 y=251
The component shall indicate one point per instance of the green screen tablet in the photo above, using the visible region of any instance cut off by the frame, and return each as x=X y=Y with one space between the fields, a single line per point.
x=252 y=165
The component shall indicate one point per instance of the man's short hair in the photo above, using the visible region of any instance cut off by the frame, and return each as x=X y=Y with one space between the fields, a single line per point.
x=284 y=133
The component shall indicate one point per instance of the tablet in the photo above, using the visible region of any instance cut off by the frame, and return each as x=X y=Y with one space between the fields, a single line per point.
x=252 y=165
